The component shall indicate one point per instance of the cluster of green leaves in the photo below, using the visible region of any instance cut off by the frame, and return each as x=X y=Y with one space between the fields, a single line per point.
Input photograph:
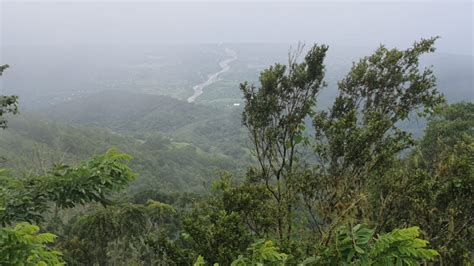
x=358 y=246
x=23 y=245
x=350 y=246
x=217 y=234
x=27 y=199
x=122 y=234
x=260 y=253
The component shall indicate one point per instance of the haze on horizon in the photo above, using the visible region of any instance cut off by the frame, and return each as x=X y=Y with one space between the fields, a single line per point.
x=352 y=24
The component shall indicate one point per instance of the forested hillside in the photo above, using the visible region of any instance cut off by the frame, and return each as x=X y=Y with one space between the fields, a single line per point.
x=120 y=178
x=214 y=129
x=33 y=144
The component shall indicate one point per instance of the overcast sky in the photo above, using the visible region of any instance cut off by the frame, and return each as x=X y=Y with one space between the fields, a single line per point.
x=336 y=23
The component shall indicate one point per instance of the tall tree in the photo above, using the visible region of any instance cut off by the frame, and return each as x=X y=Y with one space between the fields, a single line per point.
x=358 y=139
x=274 y=116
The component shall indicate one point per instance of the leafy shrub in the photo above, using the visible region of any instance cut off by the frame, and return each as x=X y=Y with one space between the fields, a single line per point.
x=23 y=245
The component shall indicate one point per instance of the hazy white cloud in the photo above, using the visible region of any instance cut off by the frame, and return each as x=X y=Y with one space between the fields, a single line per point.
x=351 y=23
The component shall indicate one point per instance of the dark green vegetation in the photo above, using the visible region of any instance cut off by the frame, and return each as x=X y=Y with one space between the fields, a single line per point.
x=342 y=186
x=31 y=144
x=213 y=129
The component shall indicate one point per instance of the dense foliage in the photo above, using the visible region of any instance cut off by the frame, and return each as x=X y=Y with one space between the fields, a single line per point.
x=433 y=186
x=27 y=199
x=23 y=245
x=33 y=145
x=344 y=186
